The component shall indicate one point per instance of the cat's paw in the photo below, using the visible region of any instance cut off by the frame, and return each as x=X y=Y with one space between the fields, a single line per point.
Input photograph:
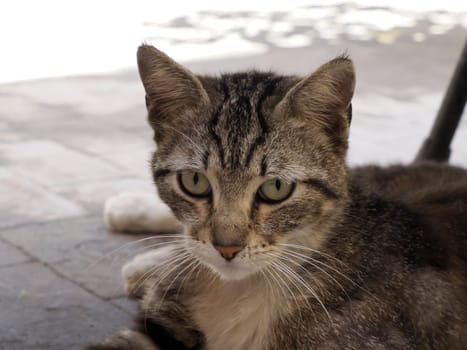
x=126 y=340
x=142 y=269
x=139 y=212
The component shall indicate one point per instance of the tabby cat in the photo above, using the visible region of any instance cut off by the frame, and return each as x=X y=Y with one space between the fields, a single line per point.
x=283 y=246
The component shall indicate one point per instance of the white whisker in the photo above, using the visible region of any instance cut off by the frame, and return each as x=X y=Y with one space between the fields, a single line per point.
x=176 y=263
x=305 y=298
x=273 y=275
x=278 y=256
x=173 y=281
x=152 y=246
x=297 y=246
x=148 y=274
x=188 y=275
x=291 y=254
x=290 y=274
x=130 y=244
x=313 y=260
x=278 y=268
x=268 y=281
x=309 y=288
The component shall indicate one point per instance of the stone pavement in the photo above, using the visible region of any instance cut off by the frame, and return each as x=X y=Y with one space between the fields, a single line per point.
x=68 y=144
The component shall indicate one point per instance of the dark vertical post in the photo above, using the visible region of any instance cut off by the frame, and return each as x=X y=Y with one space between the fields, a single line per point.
x=437 y=146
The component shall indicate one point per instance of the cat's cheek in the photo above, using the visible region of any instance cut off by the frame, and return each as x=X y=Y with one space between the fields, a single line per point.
x=185 y=211
x=200 y=234
x=309 y=226
x=282 y=220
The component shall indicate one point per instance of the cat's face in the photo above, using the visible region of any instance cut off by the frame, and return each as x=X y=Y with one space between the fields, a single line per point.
x=250 y=163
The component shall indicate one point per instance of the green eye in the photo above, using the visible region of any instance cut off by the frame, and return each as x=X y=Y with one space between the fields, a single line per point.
x=194 y=183
x=275 y=190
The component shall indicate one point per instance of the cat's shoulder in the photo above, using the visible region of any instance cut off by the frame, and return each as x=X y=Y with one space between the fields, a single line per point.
x=423 y=205
x=410 y=182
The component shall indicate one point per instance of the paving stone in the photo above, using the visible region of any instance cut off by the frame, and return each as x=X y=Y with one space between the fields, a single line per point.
x=8 y=134
x=23 y=201
x=81 y=249
x=113 y=133
x=404 y=122
x=127 y=304
x=9 y=255
x=101 y=140
x=40 y=311
x=93 y=195
x=23 y=108
x=50 y=164
x=134 y=119
x=109 y=95
x=135 y=163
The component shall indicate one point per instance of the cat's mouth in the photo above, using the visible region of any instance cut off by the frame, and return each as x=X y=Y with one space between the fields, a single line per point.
x=231 y=270
x=236 y=269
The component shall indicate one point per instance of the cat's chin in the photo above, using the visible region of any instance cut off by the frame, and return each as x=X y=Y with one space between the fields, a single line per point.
x=233 y=270
x=230 y=271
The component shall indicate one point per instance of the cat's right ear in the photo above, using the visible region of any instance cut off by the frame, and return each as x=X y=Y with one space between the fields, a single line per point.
x=170 y=88
x=324 y=97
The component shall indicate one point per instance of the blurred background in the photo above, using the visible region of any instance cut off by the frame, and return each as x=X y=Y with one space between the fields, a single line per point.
x=73 y=130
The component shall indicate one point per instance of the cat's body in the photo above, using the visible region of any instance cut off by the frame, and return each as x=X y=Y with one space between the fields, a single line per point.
x=370 y=258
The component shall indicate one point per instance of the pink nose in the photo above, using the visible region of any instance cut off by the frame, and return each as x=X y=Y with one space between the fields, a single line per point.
x=228 y=252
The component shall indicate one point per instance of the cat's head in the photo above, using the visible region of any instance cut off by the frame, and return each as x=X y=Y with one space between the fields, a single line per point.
x=251 y=163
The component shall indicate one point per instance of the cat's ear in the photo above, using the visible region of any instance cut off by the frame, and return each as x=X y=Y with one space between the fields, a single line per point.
x=324 y=97
x=170 y=88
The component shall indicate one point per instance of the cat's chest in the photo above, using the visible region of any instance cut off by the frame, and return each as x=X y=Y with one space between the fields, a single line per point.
x=235 y=317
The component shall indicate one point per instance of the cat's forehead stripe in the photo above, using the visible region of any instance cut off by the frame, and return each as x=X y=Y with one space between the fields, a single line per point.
x=206 y=159
x=215 y=120
x=260 y=139
x=322 y=187
x=238 y=126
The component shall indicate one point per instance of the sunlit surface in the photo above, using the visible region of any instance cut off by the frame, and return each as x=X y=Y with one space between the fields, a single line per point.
x=52 y=38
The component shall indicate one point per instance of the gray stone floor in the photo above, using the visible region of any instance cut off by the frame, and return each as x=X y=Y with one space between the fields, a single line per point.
x=68 y=144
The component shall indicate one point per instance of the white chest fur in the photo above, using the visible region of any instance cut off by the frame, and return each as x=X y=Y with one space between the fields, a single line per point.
x=235 y=315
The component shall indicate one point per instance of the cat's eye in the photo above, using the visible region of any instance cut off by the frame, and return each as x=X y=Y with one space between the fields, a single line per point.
x=275 y=190
x=194 y=183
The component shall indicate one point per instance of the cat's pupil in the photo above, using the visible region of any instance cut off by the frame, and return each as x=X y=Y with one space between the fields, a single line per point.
x=278 y=185
x=195 y=178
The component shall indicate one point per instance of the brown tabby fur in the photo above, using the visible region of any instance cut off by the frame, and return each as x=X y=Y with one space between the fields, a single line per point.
x=383 y=263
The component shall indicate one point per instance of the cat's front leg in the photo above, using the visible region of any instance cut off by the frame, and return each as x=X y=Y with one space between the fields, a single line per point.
x=142 y=271
x=157 y=277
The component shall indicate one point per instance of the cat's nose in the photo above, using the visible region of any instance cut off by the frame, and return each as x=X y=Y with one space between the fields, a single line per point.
x=228 y=252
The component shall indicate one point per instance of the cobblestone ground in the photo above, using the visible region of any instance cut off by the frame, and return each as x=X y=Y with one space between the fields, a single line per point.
x=68 y=144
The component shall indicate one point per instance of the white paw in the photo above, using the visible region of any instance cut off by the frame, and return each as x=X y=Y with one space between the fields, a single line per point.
x=127 y=339
x=139 y=212
x=143 y=267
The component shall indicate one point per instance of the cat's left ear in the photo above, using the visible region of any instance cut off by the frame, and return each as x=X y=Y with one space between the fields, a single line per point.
x=324 y=97
x=170 y=88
